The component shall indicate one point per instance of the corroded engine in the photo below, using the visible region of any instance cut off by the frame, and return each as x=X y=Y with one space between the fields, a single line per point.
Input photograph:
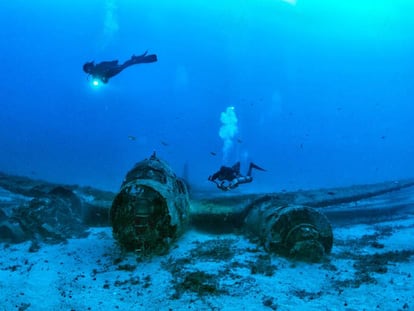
x=151 y=209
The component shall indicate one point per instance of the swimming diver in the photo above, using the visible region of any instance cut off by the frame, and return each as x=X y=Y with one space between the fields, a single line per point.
x=107 y=69
x=230 y=177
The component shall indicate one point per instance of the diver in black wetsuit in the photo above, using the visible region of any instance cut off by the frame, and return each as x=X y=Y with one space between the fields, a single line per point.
x=105 y=70
x=230 y=177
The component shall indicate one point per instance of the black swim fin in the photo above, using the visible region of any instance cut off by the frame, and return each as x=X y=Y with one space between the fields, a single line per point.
x=252 y=165
x=144 y=58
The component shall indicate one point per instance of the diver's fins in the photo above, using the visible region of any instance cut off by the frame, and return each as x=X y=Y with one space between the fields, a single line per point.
x=252 y=165
x=144 y=58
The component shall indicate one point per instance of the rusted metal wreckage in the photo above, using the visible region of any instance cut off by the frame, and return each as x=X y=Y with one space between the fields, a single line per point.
x=153 y=209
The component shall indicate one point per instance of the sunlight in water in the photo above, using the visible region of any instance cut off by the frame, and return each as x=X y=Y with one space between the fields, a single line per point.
x=382 y=20
x=111 y=25
x=291 y=2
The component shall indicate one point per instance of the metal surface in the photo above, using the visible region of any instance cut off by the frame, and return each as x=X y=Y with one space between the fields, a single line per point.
x=294 y=231
x=152 y=208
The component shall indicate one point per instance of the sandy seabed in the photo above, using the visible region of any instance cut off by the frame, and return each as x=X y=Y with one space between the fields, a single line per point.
x=370 y=268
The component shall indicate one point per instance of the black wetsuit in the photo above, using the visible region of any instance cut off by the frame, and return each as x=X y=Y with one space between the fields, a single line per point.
x=231 y=178
x=227 y=173
x=107 y=69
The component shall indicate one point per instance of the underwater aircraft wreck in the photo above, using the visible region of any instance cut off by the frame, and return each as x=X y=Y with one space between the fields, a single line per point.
x=153 y=208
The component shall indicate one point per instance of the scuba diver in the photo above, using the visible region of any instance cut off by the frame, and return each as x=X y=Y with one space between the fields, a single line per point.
x=105 y=70
x=230 y=177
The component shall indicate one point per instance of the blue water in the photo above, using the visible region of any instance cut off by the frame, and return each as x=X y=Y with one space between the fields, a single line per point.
x=322 y=90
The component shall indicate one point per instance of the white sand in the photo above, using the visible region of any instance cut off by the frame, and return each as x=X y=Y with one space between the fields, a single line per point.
x=82 y=275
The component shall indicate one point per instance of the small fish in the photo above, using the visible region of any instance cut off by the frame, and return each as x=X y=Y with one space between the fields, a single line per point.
x=213 y=153
x=131 y=137
x=239 y=140
x=383 y=137
x=331 y=193
x=164 y=143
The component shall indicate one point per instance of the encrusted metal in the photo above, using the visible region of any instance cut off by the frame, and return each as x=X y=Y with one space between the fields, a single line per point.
x=152 y=208
x=295 y=231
